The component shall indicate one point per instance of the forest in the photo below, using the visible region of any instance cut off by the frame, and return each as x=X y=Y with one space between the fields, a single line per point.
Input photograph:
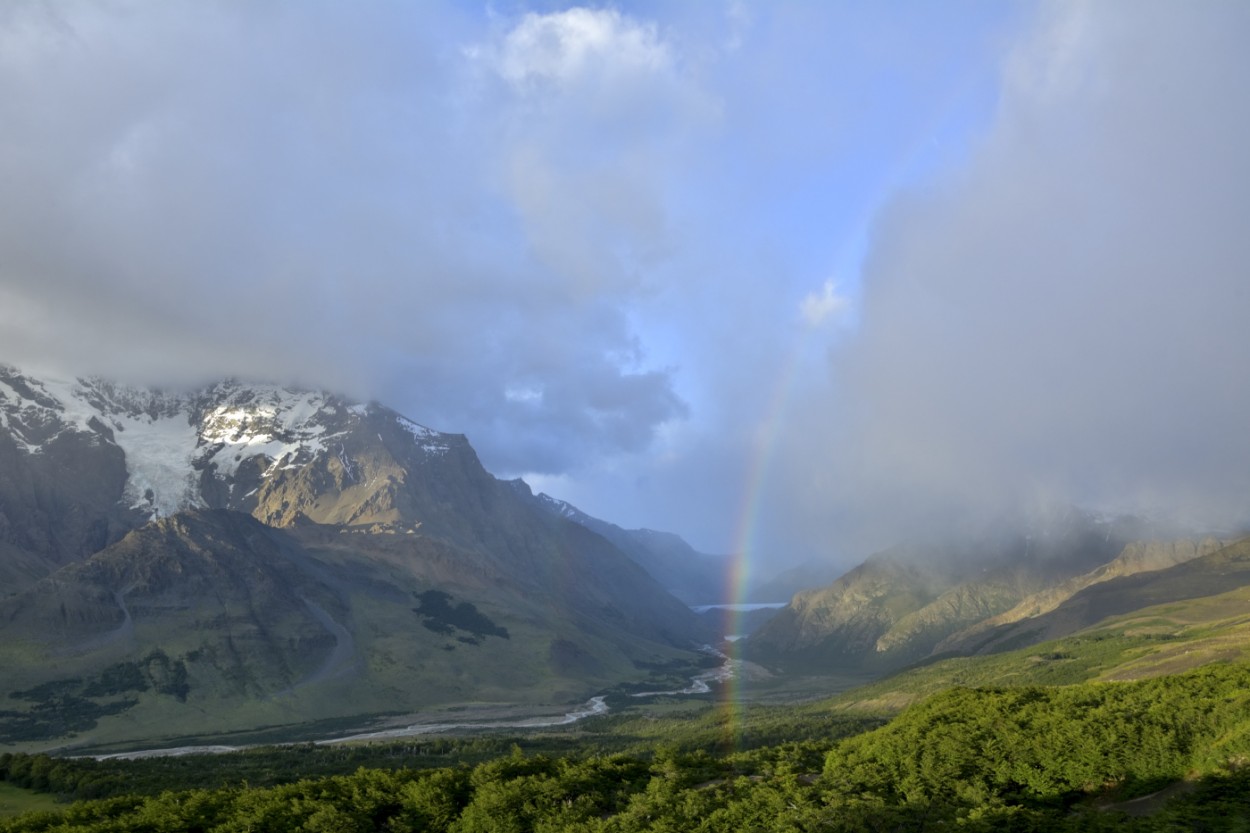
x=1167 y=753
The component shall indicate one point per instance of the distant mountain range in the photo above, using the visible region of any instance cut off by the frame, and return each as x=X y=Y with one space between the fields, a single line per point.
x=244 y=555
x=694 y=577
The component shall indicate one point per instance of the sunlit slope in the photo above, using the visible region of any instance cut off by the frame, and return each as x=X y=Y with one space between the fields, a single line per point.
x=1137 y=557
x=1226 y=568
x=899 y=605
x=1178 y=619
x=986 y=591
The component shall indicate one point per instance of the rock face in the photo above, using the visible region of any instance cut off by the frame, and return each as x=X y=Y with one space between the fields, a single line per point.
x=61 y=491
x=269 y=550
x=914 y=602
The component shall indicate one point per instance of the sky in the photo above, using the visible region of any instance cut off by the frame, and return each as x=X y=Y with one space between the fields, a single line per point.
x=797 y=279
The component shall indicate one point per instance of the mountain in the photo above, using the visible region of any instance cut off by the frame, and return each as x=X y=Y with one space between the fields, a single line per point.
x=1145 y=575
x=61 y=491
x=1136 y=557
x=242 y=555
x=694 y=577
x=902 y=605
x=1147 y=624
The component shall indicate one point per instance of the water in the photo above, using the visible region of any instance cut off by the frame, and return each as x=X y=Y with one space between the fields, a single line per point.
x=742 y=607
x=699 y=684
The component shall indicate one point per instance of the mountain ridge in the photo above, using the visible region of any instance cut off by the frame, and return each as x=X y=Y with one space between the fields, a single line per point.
x=292 y=555
x=694 y=577
x=904 y=605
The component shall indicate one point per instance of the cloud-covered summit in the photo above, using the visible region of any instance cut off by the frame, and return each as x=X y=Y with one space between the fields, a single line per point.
x=401 y=202
x=796 y=277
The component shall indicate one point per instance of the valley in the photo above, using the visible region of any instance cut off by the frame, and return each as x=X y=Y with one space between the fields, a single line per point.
x=624 y=417
x=283 y=586
x=1146 y=755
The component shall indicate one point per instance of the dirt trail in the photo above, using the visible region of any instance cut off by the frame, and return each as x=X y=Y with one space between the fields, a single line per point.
x=126 y=630
x=340 y=660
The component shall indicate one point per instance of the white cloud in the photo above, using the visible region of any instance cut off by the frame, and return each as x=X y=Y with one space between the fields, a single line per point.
x=572 y=46
x=596 y=113
x=739 y=20
x=819 y=307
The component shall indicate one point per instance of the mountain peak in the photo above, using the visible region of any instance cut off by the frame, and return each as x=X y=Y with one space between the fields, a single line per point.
x=194 y=448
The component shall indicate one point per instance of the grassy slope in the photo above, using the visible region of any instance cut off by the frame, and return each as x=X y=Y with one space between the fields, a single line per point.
x=540 y=648
x=1163 y=639
x=14 y=801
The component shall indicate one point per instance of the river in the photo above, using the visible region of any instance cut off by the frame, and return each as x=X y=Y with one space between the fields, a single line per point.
x=699 y=684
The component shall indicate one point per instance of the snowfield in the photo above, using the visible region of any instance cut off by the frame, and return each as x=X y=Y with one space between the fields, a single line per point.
x=170 y=439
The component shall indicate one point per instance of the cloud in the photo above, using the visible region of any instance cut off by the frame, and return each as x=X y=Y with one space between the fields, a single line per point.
x=818 y=307
x=596 y=114
x=583 y=238
x=568 y=48
x=1064 y=317
x=398 y=201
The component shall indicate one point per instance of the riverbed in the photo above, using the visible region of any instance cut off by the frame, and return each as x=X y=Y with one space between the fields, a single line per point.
x=699 y=684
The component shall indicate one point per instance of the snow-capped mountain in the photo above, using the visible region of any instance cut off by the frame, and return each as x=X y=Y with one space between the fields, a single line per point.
x=195 y=449
x=243 y=542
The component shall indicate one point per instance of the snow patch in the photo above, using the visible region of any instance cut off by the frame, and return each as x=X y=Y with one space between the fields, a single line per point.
x=428 y=440
x=12 y=401
x=277 y=424
x=170 y=439
x=349 y=471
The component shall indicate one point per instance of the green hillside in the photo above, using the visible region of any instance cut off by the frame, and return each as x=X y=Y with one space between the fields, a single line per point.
x=1167 y=753
x=1152 y=640
x=211 y=623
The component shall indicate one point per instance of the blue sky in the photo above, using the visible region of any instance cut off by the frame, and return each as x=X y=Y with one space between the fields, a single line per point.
x=820 y=271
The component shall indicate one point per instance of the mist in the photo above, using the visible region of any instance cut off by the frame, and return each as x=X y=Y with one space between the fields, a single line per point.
x=1060 y=320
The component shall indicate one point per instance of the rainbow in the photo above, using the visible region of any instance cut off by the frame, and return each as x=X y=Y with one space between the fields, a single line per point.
x=731 y=703
x=917 y=162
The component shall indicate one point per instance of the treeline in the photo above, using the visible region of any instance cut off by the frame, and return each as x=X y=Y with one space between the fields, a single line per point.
x=976 y=759
x=86 y=778
x=1039 y=745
